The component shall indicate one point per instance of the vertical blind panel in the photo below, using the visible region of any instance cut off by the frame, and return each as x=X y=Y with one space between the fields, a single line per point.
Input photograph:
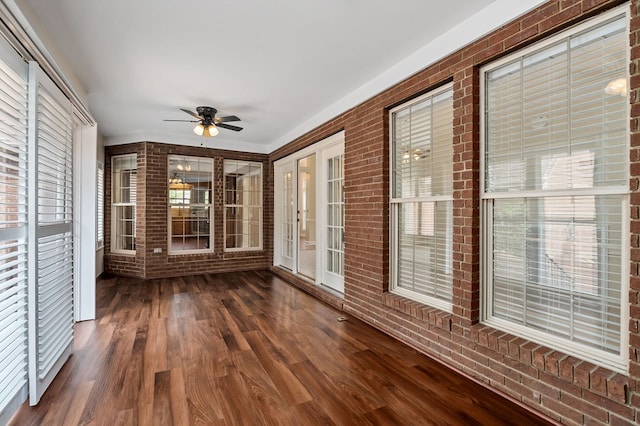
x=13 y=148
x=55 y=297
x=13 y=244
x=13 y=319
x=55 y=149
x=557 y=266
x=552 y=107
x=54 y=252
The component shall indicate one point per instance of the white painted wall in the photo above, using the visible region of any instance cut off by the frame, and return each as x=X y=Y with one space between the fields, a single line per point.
x=85 y=154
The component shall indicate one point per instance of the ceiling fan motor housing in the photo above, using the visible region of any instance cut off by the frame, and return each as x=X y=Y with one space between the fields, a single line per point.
x=206 y=112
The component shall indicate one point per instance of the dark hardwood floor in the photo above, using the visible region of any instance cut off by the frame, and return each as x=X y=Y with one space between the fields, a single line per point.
x=248 y=349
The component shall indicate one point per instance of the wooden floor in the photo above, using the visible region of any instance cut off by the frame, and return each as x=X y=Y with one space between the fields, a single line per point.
x=248 y=349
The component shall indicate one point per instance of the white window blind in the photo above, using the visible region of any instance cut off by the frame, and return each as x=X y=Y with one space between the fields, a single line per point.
x=422 y=197
x=555 y=192
x=13 y=234
x=243 y=205
x=99 y=205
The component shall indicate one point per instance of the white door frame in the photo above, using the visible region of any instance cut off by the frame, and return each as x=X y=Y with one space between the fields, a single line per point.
x=290 y=163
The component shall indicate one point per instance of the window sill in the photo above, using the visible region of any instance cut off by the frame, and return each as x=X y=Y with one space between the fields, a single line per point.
x=417 y=310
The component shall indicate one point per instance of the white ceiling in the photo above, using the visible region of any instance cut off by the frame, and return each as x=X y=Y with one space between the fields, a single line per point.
x=282 y=66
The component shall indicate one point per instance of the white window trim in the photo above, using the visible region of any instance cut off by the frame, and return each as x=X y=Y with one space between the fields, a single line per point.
x=210 y=249
x=395 y=203
x=619 y=363
x=260 y=206
x=114 y=206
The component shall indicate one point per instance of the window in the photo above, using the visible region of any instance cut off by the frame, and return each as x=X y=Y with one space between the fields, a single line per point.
x=421 y=198
x=242 y=205
x=555 y=192
x=123 y=192
x=190 y=186
x=99 y=205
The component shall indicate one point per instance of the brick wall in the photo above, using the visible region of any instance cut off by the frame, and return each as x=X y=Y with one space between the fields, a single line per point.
x=562 y=387
x=152 y=223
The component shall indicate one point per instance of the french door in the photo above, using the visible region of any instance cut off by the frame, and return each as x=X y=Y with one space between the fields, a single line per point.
x=332 y=255
x=306 y=216
x=309 y=213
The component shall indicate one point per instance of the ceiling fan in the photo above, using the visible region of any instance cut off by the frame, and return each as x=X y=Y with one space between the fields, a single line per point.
x=207 y=121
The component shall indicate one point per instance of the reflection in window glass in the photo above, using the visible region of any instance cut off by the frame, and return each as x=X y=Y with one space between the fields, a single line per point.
x=189 y=198
x=243 y=205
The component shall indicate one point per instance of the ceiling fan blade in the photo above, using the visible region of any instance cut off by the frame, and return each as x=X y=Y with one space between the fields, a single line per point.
x=229 y=127
x=191 y=113
x=185 y=121
x=226 y=119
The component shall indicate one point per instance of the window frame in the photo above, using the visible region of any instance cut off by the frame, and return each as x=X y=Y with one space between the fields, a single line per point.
x=620 y=362
x=260 y=206
x=116 y=205
x=396 y=203
x=210 y=249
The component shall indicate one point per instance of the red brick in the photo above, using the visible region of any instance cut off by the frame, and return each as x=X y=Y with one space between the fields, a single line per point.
x=617 y=387
x=598 y=381
x=585 y=407
x=567 y=366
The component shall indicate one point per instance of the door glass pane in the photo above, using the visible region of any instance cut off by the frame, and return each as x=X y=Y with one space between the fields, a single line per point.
x=307 y=216
x=335 y=208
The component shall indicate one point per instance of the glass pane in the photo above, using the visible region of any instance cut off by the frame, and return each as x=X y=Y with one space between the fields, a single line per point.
x=559 y=115
x=189 y=197
x=335 y=206
x=557 y=266
x=124 y=178
x=424 y=248
x=125 y=228
x=422 y=148
x=307 y=216
x=243 y=200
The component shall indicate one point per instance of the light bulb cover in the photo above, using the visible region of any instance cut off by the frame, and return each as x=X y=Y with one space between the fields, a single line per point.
x=210 y=131
x=199 y=129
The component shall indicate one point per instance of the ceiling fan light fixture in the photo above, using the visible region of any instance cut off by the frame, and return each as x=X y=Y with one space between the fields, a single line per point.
x=207 y=120
x=199 y=129
x=210 y=131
